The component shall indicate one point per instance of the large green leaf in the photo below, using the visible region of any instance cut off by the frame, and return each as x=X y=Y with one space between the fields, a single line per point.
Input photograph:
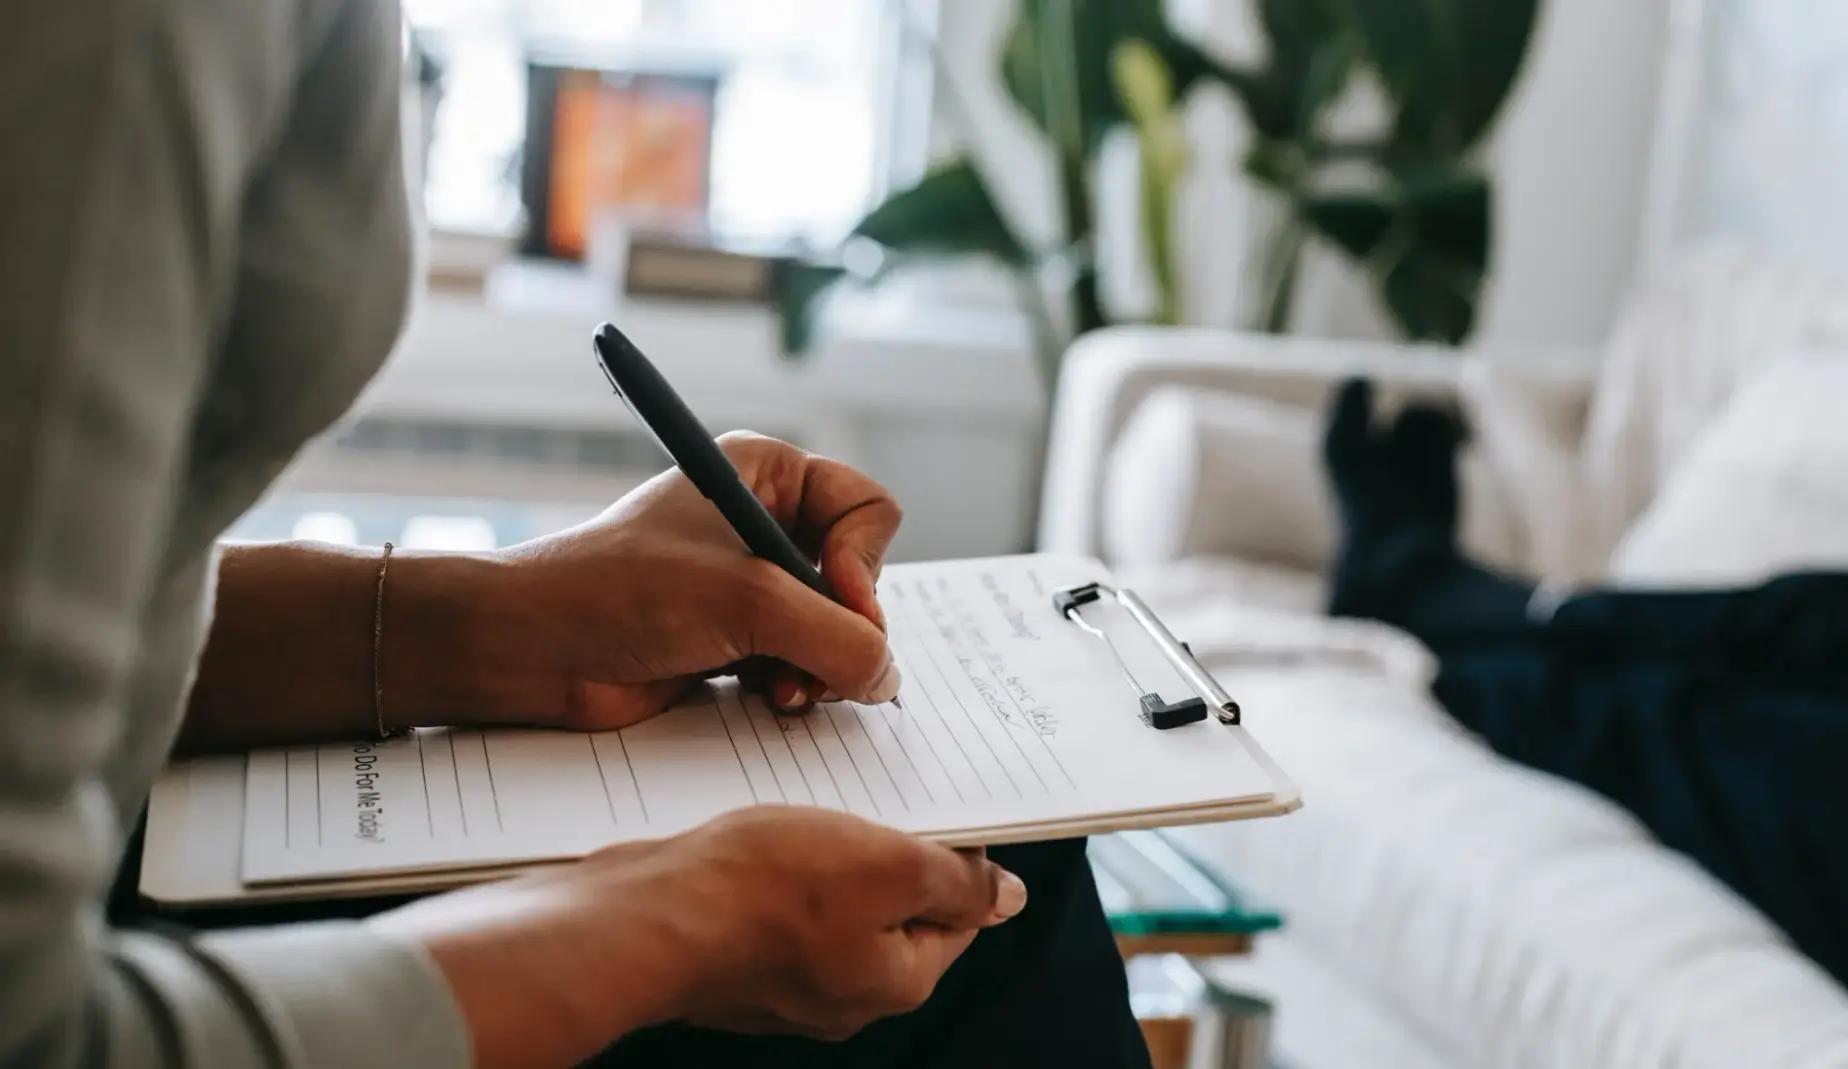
x=948 y=211
x=1431 y=298
x=1296 y=28
x=1448 y=66
x=1310 y=57
x=1449 y=213
x=1433 y=288
x=1056 y=64
x=1190 y=64
x=1301 y=34
x=799 y=288
x=1357 y=222
x=1044 y=70
x=1494 y=35
x=1147 y=89
x=1412 y=45
x=1407 y=43
x=1425 y=242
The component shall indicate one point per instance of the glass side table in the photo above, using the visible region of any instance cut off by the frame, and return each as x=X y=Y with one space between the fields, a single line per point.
x=1168 y=910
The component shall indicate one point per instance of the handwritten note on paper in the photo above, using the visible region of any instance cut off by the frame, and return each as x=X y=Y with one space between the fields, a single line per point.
x=1010 y=716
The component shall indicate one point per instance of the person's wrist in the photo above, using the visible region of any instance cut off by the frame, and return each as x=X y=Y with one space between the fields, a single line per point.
x=446 y=655
x=549 y=970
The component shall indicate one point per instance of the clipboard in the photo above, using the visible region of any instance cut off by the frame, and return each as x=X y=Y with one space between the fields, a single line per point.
x=205 y=813
x=1159 y=714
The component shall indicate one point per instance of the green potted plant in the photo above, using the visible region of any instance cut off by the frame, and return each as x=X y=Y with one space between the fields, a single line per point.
x=1409 y=201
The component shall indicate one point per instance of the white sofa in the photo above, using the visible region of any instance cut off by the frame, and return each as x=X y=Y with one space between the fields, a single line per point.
x=1445 y=907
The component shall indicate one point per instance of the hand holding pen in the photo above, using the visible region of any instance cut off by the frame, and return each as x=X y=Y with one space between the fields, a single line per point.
x=861 y=516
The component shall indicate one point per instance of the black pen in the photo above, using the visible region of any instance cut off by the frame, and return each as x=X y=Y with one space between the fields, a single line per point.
x=647 y=394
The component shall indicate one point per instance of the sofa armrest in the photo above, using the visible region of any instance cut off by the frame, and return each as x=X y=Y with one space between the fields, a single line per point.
x=1108 y=374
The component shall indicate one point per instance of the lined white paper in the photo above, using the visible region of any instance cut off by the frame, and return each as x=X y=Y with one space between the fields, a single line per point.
x=1011 y=717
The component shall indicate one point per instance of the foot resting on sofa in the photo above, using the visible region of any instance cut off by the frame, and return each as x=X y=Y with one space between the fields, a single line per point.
x=1718 y=717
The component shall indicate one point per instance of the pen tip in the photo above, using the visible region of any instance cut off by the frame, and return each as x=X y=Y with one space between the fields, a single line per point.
x=900 y=705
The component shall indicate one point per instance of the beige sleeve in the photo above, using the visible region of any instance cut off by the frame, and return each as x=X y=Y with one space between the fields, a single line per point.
x=129 y=133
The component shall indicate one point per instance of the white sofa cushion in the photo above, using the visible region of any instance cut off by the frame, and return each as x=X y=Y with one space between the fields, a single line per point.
x=1206 y=473
x=1200 y=472
x=1763 y=490
x=1680 y=353
x=1527 y=423
x=1517 y=919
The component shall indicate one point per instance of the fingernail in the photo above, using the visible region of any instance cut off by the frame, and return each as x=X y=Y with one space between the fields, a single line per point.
x=886 y=687
x=794 y=700
x=1010 y=895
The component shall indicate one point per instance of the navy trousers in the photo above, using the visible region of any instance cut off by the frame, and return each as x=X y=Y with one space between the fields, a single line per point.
x=1719 y=718
x=1045 y=989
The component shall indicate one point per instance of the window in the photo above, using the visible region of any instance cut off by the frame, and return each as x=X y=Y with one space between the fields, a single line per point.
x=1755 y=136
x=813 y=105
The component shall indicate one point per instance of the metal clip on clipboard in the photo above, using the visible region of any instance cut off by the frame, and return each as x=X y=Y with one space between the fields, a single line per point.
x=1158 y=713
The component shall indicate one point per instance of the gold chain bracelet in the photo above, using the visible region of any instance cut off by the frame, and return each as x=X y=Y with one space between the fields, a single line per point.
x=378 y=651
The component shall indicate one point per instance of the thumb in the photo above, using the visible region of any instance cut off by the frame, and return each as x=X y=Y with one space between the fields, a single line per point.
x=962 y=889
x=843 y=649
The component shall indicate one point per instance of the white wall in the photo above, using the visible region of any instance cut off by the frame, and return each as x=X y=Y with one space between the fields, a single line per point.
x=1572 y=159
x=1756 y=127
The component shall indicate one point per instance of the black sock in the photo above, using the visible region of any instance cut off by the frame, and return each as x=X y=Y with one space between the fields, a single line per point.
x=1397 y=501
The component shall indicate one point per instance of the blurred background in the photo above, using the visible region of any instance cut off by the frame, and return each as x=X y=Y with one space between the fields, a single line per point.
x=1079 y=275
x=696 y=170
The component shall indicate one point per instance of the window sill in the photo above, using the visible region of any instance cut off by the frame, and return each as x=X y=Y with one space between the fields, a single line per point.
x=940 y=402
x=519 y=351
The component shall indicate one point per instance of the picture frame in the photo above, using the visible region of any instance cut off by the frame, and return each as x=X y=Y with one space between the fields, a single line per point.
x=632 y=141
